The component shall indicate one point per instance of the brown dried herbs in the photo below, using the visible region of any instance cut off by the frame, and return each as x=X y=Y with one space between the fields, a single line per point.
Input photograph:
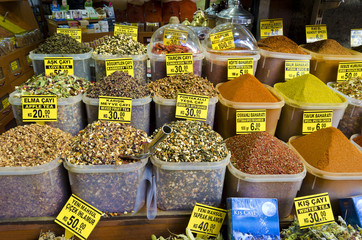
x=120 y=45
x=61 y=43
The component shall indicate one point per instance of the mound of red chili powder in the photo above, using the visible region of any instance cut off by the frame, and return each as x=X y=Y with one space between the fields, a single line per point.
x=261 y=153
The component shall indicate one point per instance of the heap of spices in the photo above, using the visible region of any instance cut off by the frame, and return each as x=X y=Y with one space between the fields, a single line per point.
x=280 y=44
x=52 y=236
x=169 y=87
x=159 y=48
x=61 y=43
x=105 y=143
x=246 y=88
x=327 y=46
x=358 y=140
x=32 y=145
x=329 y=150
x=120 y=45
x=261 y=153
x=307 y=89
x=352 y=87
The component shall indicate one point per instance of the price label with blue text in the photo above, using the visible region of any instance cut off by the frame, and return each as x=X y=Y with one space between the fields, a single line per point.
x=118 y=109
x=315 y=32
x=347 y=70
x=179 y=63
x=39 y=108
x=295 y=68
x=313 y=210
x=192 y=107
x=271 y=27
x=248 y=121
x=239 y=66
x=72 y=32
x=55 y=65
x=315 y=120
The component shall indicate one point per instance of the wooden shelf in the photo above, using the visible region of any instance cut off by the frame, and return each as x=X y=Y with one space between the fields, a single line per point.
x=66 y=22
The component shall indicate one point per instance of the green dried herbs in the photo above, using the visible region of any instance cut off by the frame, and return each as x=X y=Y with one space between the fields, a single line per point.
x=352 y=87
x=188 y=236
x=61 y=44
x=62 y=85
x=120 y=45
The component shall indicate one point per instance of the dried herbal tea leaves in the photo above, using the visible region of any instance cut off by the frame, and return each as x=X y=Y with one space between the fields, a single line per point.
x=120 y=45
x=352 y=87
x=61 y=44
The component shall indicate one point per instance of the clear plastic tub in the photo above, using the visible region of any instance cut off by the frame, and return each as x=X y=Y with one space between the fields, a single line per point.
x=166 y=109
x=226 y=113
x=351 y=121
x=354 y=143
x=325 y=66
x=71 y=113
x=338 y=185
x=291 y=119
x=81 y=63
x=140 y=116
x=109 y=188
x=139 y=65
x=216 y=61
x=284 y=187
x=158 y=61
x=180 y=185
x=38 y=191
x=271 y=66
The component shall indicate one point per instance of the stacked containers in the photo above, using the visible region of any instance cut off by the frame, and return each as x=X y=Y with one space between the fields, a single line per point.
x=216 y=61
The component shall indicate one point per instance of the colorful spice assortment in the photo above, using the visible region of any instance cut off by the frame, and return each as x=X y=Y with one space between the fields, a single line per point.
x=352 y=87
x=358 y=140
x=327 y=46
x=120 y=45
x=159 y=48
x=31 y=145
x=329 y=150
x=280 y=44
x=261 y=153
x=104 y=143
x=60 y=43
x=246 y=88
x=307 y=89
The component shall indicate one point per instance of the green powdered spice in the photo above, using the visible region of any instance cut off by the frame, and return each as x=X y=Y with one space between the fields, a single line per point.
x=307 y=89
x=61 y=44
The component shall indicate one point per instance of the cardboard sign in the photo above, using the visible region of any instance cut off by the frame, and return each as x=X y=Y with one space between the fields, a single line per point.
x=192 y=107
x=315 y=32
x=173 y=36
x=347 y=70
x=39 y=108
x=55 y=65
x=179 y=63
x=72 y=32
x=315 y=120
x=120 y=64
x=118 y=109
x=295 y=68
x=222 y=40
x=239 y=66
x=271 y=27
x=126 y=30
x=248 y=121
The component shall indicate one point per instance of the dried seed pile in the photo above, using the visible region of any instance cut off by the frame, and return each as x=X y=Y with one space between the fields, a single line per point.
x=31 y=145
x=60 y=43
x=261 y=153
x=120 y=45
x=191 y=141
x=62 y=85
x=103 y=143
x=352 y=88
x=118 y=84
x=169 y=87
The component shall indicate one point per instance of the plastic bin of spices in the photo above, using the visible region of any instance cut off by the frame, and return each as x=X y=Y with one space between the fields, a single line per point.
x=353 y=137
x=186 y=42
x=216 y=61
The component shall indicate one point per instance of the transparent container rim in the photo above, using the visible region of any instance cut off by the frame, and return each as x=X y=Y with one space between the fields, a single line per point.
x=162 y=57
x=135 y=102
x=232 y=54
x=7 y=171
x=350 y=100
x=94 y=169
x=80 y=56
x=287 y=56
x=356 y=56
x=323 y=174
x=253 y=105
x=353 y=142
x=103 y=57
x=60 y=101
x=172 y=102
x=181 y=166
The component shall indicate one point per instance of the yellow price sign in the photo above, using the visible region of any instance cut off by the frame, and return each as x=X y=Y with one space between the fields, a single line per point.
x=78 y=217
x=5 y=103
x=206 y=220
x=313 y=210
x=248 y=121
x=28 y=60
x=118 y=109
x=222 y=40
x=315 y=32
x=239 y=66
x=296 y=68
x=126 y=30
x=14 y=65
x=173 y=36
x=347 y=70
x=39 y=108
x=179 y=63
x=55 y=65
x=356 y=37
x=120 y=64
x=271 y=27
x=192 y=107
x=315 y=120
x=72 y=32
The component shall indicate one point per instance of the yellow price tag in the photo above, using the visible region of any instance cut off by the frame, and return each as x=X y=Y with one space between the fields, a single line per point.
x=78 y=217
x=55 y=65
x=315 y=32
x=179 y=63
x=239 y=66
x=248 y=121
x=271 y=27
x=28 y=60
x=118 y=109
x=295 y=68
x=5 y=103
x=39 y=108
x=14 y=65
x=313 y=210
x=222 y=40
x=73 y=32
x=356 y=37
x=120 y=64
x=173 y=36
x=315 y=120
x=346 y=70
x=206 y=220
x=126 y=30
x=192 y=107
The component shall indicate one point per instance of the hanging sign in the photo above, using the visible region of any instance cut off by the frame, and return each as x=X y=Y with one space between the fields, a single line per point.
x=271 y=27
x=315 y=32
